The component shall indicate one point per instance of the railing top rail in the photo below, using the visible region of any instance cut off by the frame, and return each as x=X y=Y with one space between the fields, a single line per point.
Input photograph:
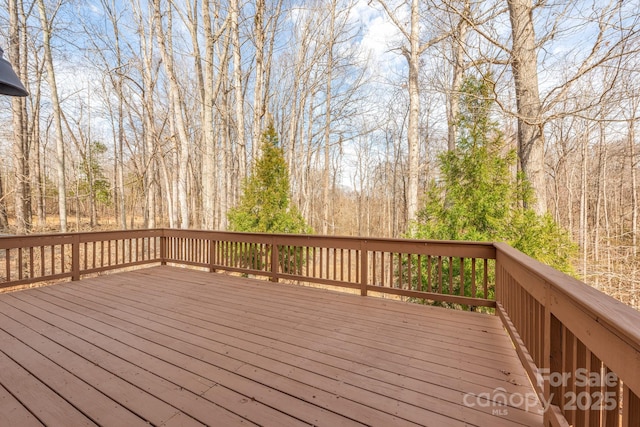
x=342 y=238
x=155 y=231
x=26 y=240
x=235 y=233
x=619 y=318
x=454 y=248
x=10 y=242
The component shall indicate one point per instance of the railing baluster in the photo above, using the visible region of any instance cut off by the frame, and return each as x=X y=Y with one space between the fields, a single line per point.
x=53 y=260
x=439 y=274
x=630 y=408
x=450 y=290
x=391 y=273
x=399 y=257
x=62 y=258
x=485 y=280
x=409 y=267
x=429 y=278
x=19 y=263
x=327 y=263
x=419 y=285
x=31 y=262
x=473 y=278
x=364 y=267
x=462 y=277
x=595 y=391
x=612 y=392
x=7 y=265
x=42 y=262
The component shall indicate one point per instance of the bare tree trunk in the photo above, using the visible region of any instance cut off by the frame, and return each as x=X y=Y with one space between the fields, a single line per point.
x=208 y=135
x=116 y=77
x=413 y=131
x=150 y=134
x=327 y=123
x=634 y=186
x=600 y=182
x=176 y=106
x=21 y=149
x=4 y=219
x=225 y=145
x=168 y=191
x=258 y=112
x=459 y=43
x=39 y=184
x=55 y=102
x=175 y=183
x=524 y=62
x=222 y=149
x=605 y=207
x=412 y=54
x=93 y=212
x=120 y=160
x=584 y=226
x=271 y=29
x=238 y=90
x=210 y=94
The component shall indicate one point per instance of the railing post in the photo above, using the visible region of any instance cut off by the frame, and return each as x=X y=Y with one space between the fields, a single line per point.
x=213 y=247
x=498 y=285
x=75 y=258
x=364 y=268
x=552 y=358
x=163 y=248
x=274 y=260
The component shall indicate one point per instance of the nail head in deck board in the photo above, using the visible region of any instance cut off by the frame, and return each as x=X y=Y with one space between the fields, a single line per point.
x=12 y=413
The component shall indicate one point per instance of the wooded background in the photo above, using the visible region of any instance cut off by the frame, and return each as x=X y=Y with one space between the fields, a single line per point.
x=145 y=114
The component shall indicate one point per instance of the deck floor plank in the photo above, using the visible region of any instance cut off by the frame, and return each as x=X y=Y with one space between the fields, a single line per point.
x=142 y=307
x=293 y=386
x=386 y=324
x=87 y=384
x=425 y=350
x=168 y=382
x=219 y=349
x=250 y=310
x=12 y=413
x=424 y=399
x=31 y=389
x=194 y=363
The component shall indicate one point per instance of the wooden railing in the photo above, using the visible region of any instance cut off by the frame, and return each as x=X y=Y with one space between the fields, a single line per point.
x=580 y=347
x=40 y=258
x=450 y=272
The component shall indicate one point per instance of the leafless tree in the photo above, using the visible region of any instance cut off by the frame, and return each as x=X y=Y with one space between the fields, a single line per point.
x=412 y=50
x=46 y=23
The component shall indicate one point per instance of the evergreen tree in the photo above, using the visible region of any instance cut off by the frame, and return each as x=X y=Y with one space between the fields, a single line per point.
x=265 y=205
x=476 y=197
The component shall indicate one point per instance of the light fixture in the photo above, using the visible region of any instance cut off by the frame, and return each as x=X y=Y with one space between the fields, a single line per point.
x=9 y=82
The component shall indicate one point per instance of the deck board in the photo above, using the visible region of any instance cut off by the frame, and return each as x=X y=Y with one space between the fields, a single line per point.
x=174 y=346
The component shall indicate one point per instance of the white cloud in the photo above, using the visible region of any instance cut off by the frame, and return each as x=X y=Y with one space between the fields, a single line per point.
x=380 y=38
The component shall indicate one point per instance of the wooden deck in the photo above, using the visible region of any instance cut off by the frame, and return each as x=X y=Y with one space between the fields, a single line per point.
x=179 y=347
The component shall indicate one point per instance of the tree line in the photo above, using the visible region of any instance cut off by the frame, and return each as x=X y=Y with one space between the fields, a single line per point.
x=152 y=113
